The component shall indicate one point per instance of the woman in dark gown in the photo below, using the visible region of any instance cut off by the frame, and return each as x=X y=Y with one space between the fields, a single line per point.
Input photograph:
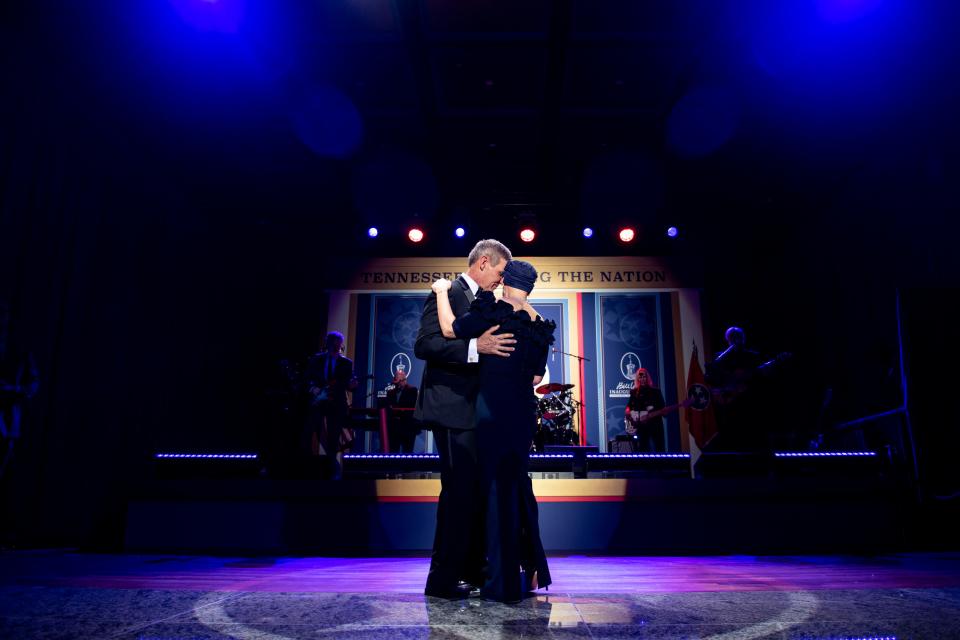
x=506 y=422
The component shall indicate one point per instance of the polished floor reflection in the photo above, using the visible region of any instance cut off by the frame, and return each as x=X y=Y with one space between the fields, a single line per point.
x=63 y=595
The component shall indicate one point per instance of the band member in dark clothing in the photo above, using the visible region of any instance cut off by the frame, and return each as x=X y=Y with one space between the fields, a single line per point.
x=735 y=376
x=645 y=398
x=328 y=378
x=19 y=382
x=402 y=428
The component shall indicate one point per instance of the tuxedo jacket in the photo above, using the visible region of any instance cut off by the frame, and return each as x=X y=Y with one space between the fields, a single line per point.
x=448 y=388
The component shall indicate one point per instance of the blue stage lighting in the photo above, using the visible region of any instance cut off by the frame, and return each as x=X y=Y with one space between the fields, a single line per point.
x=373 y=232
x=587 y=232
x=224 y=16
x=460 y=232
x=702 y=121
x=845 y=10
x=672 y=232
x=328 y=123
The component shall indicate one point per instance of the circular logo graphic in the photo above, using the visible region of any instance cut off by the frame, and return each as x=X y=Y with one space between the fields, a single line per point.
x=699 y=396
x=400 y=362
x=629 y=364
x=405 y=328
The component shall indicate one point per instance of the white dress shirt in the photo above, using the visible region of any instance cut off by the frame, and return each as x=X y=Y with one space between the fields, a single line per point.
x=472 y=354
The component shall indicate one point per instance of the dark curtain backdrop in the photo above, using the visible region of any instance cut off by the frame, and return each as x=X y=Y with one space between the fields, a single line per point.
x=156 y=315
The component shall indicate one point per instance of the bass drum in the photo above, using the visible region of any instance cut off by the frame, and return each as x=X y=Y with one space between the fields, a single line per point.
x=546 y=435
x=552 y=411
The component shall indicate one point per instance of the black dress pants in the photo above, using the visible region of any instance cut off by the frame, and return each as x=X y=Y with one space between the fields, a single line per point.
x=458 y=542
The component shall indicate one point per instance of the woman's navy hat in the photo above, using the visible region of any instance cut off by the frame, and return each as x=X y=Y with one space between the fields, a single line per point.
x=519 y=275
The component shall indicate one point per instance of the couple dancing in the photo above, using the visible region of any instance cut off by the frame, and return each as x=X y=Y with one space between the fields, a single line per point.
x=483 y=358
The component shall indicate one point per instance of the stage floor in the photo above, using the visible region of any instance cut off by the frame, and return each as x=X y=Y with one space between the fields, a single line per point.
x=56 y=594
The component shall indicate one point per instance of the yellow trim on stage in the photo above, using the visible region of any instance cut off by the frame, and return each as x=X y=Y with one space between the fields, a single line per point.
x=566 y=488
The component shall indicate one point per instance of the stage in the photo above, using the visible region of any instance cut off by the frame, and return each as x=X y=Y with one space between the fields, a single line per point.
x=784 y=509
x=58 y=594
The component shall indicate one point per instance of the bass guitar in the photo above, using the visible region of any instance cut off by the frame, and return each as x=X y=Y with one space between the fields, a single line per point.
x=650 y=413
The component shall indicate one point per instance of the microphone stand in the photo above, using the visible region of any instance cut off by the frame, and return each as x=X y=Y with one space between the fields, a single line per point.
x=581 y=406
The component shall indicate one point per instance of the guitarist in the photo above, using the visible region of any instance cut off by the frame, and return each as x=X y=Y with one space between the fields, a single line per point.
x=19 y=382
x=644 y=399
x=327 y=379
x=737 y=376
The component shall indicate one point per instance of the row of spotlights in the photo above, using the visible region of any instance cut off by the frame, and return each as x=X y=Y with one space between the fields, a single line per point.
x=527 y=234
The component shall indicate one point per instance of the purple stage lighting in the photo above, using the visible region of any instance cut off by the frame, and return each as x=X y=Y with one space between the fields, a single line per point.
x=587 y=232
x=460 y=232
x=373 y=232
x=672 y=232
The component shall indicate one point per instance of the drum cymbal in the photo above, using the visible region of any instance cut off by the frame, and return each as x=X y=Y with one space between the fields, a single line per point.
x=553 y=387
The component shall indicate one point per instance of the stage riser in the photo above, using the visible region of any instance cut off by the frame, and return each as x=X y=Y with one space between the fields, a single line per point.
x=873 y=523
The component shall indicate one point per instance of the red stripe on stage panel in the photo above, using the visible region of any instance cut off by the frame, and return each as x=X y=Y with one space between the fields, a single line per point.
x=583 y=392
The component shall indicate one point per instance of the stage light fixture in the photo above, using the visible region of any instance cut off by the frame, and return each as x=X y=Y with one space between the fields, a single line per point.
x=373 y=232
x=460 y=232
x=672 y=232
x=415 y=234
x=527 y=234
x=587 y=232
x=627 y=234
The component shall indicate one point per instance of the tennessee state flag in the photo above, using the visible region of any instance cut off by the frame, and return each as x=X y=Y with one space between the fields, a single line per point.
x=701 y=420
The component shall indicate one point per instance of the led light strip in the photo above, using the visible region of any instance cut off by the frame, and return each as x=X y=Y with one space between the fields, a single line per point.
x=208 y=456
x=672 y=456
x=825 y=454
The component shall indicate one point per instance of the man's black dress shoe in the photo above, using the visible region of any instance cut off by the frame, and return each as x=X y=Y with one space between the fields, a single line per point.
x=459 y=592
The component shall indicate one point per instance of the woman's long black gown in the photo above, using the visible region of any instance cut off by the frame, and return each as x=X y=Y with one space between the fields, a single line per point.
x=506 y=422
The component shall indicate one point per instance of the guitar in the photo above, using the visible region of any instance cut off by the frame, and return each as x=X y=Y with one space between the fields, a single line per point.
x=742 y=380
x=650 y=413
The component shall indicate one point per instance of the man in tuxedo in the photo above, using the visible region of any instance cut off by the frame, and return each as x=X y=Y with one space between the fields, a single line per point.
x=446 y=405
x=328 y=377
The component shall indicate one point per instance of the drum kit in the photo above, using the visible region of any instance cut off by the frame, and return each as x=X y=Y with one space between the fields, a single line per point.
x=555 y=412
